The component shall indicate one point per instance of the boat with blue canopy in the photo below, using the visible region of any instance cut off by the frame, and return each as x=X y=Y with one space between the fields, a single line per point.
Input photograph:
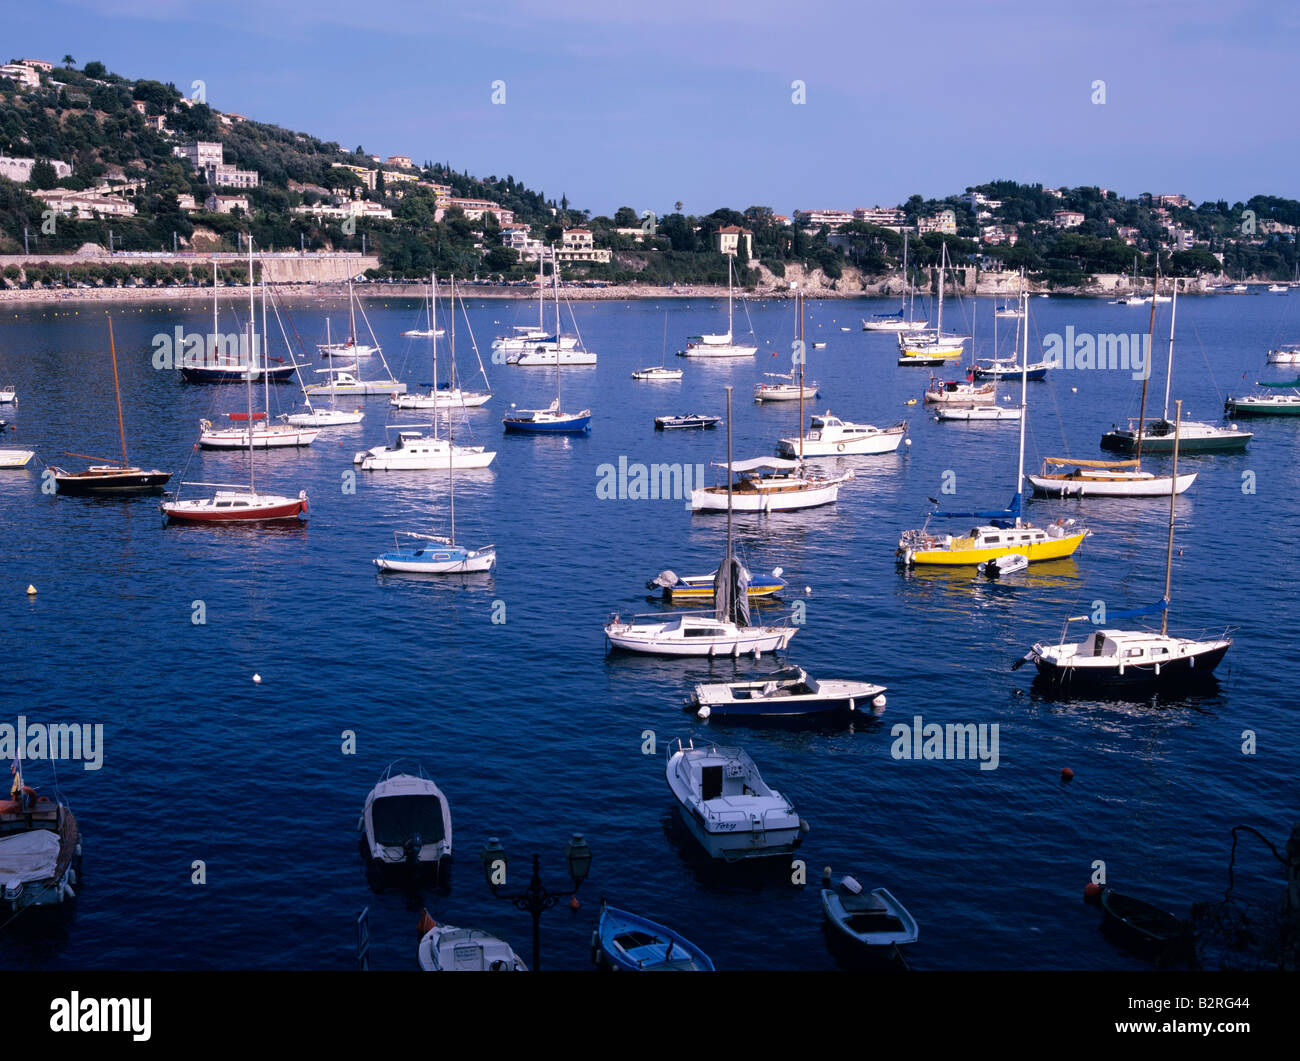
x=632 y=943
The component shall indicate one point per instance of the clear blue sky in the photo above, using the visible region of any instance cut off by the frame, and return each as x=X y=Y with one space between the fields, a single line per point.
x=642 y=104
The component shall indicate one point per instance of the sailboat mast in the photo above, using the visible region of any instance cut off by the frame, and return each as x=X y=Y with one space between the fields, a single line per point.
x=1173 y=494
x=903 y=307
x=555 y=277
x=266 y=376
x=452 y=337
x=451 y=474
x=215 y=344
x=803 y=356
x=1151 y=341
x=943 y=258
x=248 y=373
x=1169 y=370
x=352 y=315
x=729 y=473
x=1024 y=399
x=117 y=390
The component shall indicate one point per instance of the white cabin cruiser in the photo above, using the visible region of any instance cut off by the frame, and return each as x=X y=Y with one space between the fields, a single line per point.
x=829 y=436
x=415 y=451
x=728 y=807
x=406 y=821
x=446 y=948
x=785 y=694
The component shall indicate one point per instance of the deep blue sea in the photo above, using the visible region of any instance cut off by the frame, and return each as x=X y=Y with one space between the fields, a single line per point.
x=534 y=732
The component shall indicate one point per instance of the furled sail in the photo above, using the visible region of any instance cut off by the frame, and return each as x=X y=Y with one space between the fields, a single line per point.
x=731 y=592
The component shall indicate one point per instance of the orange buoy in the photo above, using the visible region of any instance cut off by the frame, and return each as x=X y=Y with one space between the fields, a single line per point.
x=1092 y=893
x=1067 y=774
x=574 y=904
x=427 y=923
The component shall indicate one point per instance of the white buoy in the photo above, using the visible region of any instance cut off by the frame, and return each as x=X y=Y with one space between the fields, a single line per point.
x=878 y=700
x=257 y=679
x=907 y=442
x=703 y=712
x=1074 y=390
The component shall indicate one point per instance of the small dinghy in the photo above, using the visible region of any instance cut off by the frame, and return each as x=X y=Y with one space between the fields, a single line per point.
x=448 y=949
x=691 y=420
x=406 y=822
x=874 y=919
x=728 y=807
x=1002 y=566
x=787 y=693
x=1140 y=925
x=626 y=941
x=676 y=587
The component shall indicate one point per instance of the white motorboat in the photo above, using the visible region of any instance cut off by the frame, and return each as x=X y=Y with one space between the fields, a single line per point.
x=8 y=394
x=977 y=412
x=1285 y=355
x=728 y=807
x=1111 y=658
x=786 y=390
x=415 y=451
x=874 y=919
x=769 y=484
x=789 y=693
x=829 y=436
x=1278 y=289
x=721 y=345
x=406 y=821
x=446 y=948
x=344 y=382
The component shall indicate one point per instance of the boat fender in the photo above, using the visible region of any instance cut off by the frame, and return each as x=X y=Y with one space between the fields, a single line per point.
x=8 y=806
x=804 y=827
x=66 y=892
x=1092 y=893
x=427 y=924
x=703 y=712
x=878 y=700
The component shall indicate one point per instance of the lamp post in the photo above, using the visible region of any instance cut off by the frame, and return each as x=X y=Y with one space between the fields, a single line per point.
x=535 y=898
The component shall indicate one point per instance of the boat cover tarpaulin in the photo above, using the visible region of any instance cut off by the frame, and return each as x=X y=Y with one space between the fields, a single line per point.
x=754 y=463
x=1128 y=613
x=1292 y=383
x=1067 y=461
x=29 y=856
x=731 y=592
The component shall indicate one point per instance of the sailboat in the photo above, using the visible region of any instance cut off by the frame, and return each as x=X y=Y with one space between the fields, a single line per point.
x=1007 y=530
x=1132 y=658
x=1096 y=478
x=552 y=420
x=527 y=335
x=429 y=554
x=117 y=478
x=413 y=450
x=349 y=349
x=222 y=366
x=932 y=347
x=432 y=331
x=769 y=484
x=660 y=372
x=719 y=346
x=559 y=349
x=894 y=322
x=256 y=429
x=727 y=633
x=1156 y=436
x=451 y=396
x=1133 y=299
x=238 y=504
x=350 y=381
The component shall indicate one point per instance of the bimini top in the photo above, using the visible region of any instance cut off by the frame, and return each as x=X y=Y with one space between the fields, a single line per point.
x=754 y=463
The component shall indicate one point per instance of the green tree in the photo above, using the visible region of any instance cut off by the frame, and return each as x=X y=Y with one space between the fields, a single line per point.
x=95 y=69
x=44 y=175
x=68 y=61
x=625 y=217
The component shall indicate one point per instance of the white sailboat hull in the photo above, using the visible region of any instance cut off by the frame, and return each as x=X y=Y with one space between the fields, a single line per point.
x=714 y=499
x=443 y=400
x=535 y=357
x=664 y=639
x=324 y=418
x=1114 y=485
x=274 y=438
x=433 y=457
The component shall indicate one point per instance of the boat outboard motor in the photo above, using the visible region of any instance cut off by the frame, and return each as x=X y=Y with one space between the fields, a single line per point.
x=411 y=849
x=665 y=579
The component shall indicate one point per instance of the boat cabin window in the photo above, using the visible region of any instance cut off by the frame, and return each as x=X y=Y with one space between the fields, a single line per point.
x=397 y=818
x=1098 y=644
x=1130 y=653
x=993 y=539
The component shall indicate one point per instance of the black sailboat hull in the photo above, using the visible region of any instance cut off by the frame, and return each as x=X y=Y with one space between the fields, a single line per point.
x=237 y=374
x=1190 y=670
x=111 y=485
x=1125 y=441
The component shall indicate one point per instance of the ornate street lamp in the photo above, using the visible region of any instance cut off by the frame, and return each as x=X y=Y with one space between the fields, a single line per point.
x=535 y=898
